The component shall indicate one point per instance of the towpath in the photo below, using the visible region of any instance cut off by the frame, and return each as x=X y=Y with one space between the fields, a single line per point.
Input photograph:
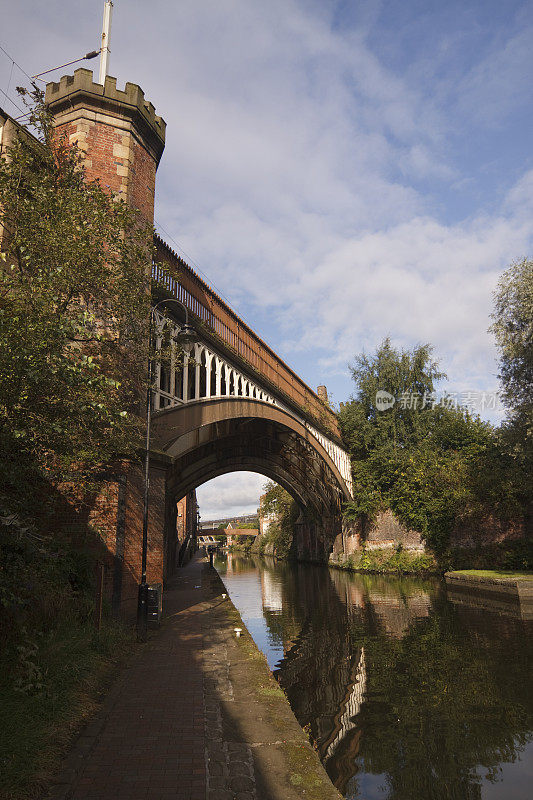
x=197 y=716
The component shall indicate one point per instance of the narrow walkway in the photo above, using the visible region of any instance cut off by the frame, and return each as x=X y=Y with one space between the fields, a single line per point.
x=197 y=716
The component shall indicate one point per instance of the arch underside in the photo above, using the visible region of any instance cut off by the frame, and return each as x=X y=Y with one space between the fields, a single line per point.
x=212 y=438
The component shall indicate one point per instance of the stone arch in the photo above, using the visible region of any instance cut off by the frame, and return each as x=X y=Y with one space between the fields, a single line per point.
x=211 y=437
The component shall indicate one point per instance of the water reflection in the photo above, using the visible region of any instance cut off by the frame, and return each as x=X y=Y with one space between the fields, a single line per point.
x=405 y=696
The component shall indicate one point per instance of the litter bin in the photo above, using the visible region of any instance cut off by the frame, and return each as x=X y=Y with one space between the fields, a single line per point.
x=155 y=604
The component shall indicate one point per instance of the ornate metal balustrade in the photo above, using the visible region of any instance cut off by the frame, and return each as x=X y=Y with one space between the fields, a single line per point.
x=208 y=375
x=178 y=280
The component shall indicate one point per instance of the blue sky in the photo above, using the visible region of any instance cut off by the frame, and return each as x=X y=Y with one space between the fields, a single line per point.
x=340 y=171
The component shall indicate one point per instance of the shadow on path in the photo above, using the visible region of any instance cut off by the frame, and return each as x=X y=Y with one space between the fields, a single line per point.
x=196 y=716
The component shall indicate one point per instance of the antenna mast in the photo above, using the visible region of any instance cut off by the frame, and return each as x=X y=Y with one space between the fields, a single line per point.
x=106 y=35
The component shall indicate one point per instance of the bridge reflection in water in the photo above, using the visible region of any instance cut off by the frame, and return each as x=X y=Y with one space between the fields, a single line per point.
x=404 y=695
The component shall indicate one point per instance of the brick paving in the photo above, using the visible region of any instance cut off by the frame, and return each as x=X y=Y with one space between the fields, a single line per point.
x=196 y=716
x=149 y=740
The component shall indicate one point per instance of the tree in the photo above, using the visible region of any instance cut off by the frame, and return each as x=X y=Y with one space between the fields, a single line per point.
x=276 y=501
x=74 y=299
x=277 y=504
x=417 y=456
x=401 y=374
x=513 y=328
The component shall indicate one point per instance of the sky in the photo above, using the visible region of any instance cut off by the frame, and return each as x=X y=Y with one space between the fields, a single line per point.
x=338 y=171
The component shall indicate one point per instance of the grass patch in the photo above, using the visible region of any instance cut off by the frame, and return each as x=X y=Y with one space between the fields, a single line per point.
x=271 y=691
x=495 y=573
x=49 y=685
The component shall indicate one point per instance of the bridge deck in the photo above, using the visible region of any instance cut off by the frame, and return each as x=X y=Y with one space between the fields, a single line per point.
x=174 y=274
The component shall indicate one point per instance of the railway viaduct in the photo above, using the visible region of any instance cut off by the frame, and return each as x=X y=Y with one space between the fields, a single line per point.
x=231 y=405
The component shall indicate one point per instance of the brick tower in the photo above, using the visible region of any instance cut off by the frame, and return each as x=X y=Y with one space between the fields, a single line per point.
x=118 y=131
x=122 y=141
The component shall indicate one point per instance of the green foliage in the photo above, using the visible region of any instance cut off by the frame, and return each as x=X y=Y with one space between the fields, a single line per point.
x=49 y=683
x=52 y=660
x=277 y=504
x=510 y=555
x=72 y=311
x=74 y=299
x=513 y=328
x=396 y=372
x=42 y=578
x=244 y=545
x=276 y=501
x=388 y=560
x=433 y=465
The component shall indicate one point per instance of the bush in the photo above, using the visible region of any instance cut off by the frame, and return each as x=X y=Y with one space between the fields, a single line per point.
x=387 y=560
x=513 y=555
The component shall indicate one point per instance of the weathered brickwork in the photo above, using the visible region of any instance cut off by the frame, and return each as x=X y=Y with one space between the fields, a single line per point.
x=143 y=169
x=122 y=140
x=118 y=132
x=487 y=531
x=386 y=531
x=116 y=514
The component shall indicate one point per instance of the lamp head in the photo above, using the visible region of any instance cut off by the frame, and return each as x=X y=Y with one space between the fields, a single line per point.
x=186 y=338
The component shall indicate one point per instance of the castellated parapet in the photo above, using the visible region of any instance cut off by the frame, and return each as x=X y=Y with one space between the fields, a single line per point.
x=119 y=133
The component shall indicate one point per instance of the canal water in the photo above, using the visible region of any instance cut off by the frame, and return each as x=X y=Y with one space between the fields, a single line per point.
x=405 y=695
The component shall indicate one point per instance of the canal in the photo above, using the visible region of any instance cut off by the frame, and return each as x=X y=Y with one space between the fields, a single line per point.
x=405 y=695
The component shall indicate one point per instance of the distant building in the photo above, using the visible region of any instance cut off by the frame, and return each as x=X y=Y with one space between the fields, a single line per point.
x=265 y=520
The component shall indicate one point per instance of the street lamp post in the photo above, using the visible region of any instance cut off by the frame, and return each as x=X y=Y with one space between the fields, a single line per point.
x=186 y=337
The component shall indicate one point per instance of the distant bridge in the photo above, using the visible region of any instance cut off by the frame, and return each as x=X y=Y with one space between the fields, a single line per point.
x=213 y=524
x=208 y=541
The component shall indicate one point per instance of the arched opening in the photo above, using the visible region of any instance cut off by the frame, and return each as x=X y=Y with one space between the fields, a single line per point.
x=214 y=437
x=213 y=381
x=225 y=515
x=203 y=373
x=191 y=376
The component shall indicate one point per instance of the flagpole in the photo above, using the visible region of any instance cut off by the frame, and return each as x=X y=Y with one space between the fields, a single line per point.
x=106 y=36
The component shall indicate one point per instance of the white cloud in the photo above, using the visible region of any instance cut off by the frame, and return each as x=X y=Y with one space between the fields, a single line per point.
x=234 y=494
x=321 y=189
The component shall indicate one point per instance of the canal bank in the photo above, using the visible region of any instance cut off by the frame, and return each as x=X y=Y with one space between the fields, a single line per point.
x=198 y=715
x=403 y=692
x=379 y=560
x=507 y=592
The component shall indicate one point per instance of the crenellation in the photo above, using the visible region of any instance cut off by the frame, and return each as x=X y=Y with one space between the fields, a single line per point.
x=132 y=100
x=117 y=131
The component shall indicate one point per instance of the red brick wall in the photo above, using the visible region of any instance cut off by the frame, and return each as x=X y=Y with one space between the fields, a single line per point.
x=486 y=531
x=116 y=514
x=133 y=524
x=386 y=531
x=143 y=182
x=185 y=526
x=115 y=157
